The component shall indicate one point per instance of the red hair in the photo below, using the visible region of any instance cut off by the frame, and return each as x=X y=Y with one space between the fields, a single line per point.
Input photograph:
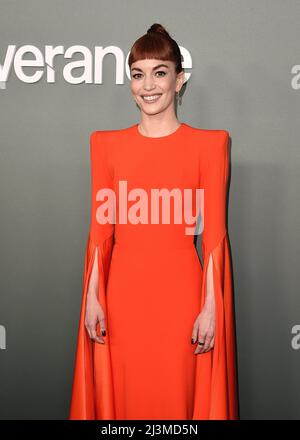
x=158 y=44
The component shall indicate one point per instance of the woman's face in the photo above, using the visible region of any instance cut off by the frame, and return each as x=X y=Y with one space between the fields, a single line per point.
x=156 y=79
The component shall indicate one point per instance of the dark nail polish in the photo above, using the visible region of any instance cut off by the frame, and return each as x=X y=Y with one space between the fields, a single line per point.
x=192 y=340
x=103 y=333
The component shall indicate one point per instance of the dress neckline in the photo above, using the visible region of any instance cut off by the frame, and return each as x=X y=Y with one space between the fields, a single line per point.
x=167 y=136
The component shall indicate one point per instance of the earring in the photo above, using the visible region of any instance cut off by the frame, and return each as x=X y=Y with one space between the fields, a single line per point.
x=179 y=98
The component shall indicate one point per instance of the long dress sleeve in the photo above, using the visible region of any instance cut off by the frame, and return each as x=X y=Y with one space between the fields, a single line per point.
x=215 y=387
x=92 y=394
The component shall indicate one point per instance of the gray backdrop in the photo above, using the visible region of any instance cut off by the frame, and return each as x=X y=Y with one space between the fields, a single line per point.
x=244 y=78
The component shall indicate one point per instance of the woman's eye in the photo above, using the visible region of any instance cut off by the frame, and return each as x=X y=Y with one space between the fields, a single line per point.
x=161 y=71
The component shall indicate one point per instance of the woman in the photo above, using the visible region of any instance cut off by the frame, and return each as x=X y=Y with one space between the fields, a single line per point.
x=167 y=345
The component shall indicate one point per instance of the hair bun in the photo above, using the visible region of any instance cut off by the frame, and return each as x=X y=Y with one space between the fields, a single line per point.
x=157 y=44
x=156 y=27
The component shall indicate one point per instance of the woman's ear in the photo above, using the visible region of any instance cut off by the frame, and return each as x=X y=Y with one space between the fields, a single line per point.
x=180 y=81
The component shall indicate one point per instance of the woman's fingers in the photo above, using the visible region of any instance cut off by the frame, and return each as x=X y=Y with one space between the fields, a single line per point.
x=195 y=335
x=195 y=332
x=203 y=332
x=102 y=324
x=212 y=343
x=208 y=340
x=94 y=313
x=201 y=338
x=95 y=337
x=87 y=329
x=102 y=327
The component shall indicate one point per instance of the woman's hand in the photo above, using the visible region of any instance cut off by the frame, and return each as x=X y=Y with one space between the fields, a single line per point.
x=204 y=328
x=93 y=314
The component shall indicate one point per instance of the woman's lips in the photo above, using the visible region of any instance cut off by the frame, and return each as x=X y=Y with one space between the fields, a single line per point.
x=151 y=100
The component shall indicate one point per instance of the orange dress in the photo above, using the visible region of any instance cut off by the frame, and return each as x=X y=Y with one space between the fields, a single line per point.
x=152 y=285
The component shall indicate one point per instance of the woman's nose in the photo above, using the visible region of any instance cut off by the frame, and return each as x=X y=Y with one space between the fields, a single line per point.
x=149 y=83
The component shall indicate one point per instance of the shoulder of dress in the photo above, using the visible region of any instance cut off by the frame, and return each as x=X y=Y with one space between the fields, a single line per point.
x=94 y=137
x=108 y=137
x=223 y=140
x=220 y=143
x=215 y=145
x=219 y=134
x=94 y=140
x=100 y=134
x=209 y=133
x=224 y=134
x=218 y=140
x=219 y=148
x=98 y=145
x=103 y=140
x=111 y=134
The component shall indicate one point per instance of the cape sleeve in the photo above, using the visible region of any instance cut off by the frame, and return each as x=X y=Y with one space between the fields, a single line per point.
x=92 y=393
x=215 y=386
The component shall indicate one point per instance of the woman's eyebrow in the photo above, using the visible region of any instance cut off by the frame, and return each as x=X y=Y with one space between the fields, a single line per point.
x=154 y=68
